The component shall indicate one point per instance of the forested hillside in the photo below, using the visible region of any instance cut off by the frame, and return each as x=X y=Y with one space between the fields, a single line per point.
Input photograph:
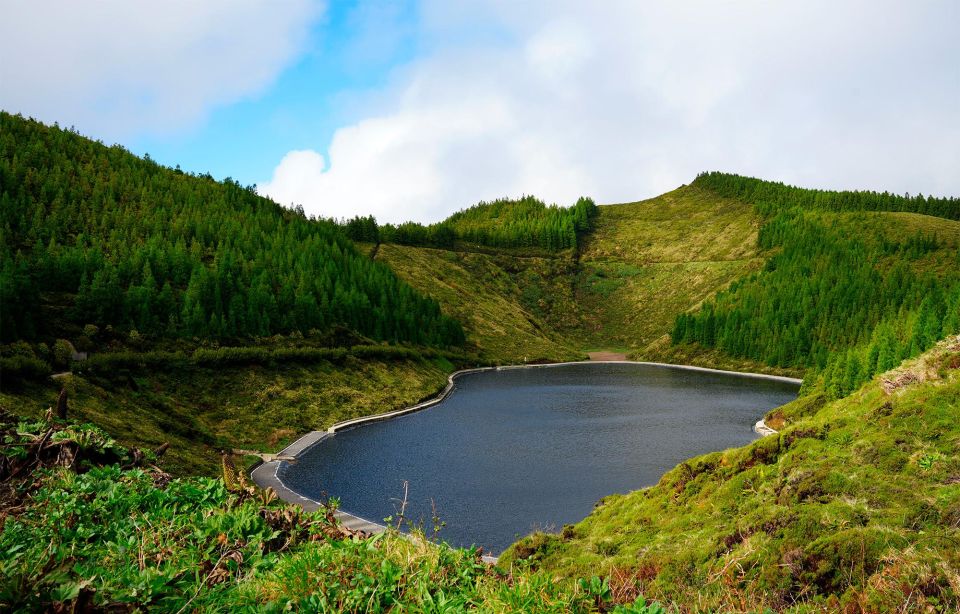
x=92 y=235
x=526 y=222
x=771 y=195
x=847 y=295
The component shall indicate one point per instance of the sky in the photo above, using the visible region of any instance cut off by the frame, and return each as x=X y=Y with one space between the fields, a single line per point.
x=411 y=110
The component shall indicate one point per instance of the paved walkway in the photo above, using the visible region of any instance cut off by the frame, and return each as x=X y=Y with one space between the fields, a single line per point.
x=265 y=476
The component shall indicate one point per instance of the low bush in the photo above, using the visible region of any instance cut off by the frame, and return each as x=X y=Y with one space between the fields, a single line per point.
x=16 y=368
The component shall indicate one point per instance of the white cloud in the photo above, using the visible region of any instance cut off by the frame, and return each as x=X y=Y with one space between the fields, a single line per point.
x=624 y=100
x=117 y=68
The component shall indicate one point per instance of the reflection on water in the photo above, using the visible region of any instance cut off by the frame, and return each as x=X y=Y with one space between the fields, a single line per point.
x=511 y=451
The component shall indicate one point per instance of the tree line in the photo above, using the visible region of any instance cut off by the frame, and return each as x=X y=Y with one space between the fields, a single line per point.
x=770 y=196
x=95 y=235
x=512 y=223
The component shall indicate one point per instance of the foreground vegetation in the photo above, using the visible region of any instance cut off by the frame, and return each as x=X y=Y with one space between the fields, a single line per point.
x=90 y=525
x=854 y=505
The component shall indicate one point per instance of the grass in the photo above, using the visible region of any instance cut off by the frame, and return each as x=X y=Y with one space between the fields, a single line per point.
x=692 y=354
x=86 y=528
x=513 y=308
x=854 y=505
x=199 y=410
x=648 y=261
x=643 y=263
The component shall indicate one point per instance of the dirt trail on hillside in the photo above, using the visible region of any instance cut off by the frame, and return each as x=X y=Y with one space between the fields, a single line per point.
x=602 y=356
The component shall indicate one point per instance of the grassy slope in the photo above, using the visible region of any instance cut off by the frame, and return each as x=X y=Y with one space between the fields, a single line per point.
x=650 y=260
x=514 y=309
x=857 y=498
x=644 y=263
x=198 y=410
x=896 y=226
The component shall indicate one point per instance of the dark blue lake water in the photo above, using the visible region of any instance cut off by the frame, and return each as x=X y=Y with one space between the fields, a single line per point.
x=508 y=452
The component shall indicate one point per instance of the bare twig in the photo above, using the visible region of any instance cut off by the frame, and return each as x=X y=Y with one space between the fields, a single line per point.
x=403 y=504
x=204 y=583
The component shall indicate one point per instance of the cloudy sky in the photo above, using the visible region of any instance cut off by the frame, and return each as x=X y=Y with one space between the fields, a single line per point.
x=412 y=110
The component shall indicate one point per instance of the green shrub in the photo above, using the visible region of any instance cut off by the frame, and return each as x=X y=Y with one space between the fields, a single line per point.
x=17 y=368
x=18 y=348
x=62 y=353
x=107 y=362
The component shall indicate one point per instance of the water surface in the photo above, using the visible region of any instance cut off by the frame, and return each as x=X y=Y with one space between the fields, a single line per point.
x=511 y=451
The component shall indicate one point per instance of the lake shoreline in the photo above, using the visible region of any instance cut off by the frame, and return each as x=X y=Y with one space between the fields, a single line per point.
x=267 y=475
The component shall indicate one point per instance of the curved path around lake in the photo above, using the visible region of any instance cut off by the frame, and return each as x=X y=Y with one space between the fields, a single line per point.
x=266 y=474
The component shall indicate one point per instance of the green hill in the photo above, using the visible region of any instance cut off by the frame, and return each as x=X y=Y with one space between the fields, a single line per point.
x=843 y=294
x=650 y=260
x=527 y=223
x=723 y=278
x=212 y=315
x=640 y=265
